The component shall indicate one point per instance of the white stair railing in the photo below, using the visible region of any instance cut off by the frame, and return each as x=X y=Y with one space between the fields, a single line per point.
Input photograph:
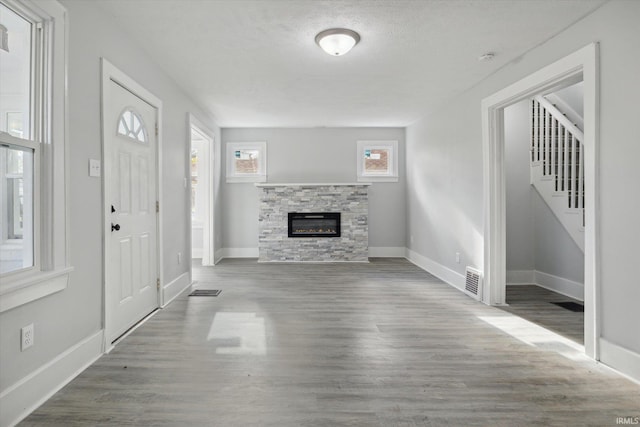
x=557 y=155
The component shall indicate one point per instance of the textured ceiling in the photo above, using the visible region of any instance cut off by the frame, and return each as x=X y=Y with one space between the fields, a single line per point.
x=255 y=63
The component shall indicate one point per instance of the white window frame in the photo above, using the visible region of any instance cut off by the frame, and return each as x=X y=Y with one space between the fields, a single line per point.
x=233 y=176
x=51 y=270
x=392 y=173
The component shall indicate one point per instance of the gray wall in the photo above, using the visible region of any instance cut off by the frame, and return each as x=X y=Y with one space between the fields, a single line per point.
x=536 y=240
x=444 y=164
x=314 y=155
x=66 y=318
x=555 y=251
x=573 y=96
x=444 y=186
x=520 y=216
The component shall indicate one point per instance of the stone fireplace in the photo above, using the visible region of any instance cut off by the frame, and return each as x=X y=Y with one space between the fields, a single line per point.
x=332 y=218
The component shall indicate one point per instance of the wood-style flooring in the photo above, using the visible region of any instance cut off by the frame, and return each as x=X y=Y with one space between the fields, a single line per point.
x=534 y=303
x=379 y=344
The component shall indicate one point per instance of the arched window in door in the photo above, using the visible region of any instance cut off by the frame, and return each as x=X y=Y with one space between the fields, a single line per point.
x=130 y=125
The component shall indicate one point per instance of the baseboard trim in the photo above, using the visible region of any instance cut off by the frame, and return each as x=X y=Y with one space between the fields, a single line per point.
x=560 y=285
x=196 y=252
x=239 y=253
x=556 y=284
x=521 y=277
x=174 y=288
x=622 y=360
x=443 y=273
x=387 y=252
x=25 y=396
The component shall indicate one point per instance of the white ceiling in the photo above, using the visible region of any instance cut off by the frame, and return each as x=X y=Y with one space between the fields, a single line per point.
x=254 y=63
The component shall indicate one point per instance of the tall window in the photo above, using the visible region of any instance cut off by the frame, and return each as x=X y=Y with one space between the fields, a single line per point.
x=32 y=150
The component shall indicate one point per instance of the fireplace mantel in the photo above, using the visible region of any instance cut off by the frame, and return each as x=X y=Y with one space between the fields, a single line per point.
x=311 y=184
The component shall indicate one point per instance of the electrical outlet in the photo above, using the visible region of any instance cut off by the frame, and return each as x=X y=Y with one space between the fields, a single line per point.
x=26 y=335
x=179 y=257
x=458 y=257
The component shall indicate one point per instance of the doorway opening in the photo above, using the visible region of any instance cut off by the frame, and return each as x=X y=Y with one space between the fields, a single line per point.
x=544 y=226
x=201 y=161
x=581 y=65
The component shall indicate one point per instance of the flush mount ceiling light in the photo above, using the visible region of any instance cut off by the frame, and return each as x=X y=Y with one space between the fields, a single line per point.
x=337 y=41
x=486 y=57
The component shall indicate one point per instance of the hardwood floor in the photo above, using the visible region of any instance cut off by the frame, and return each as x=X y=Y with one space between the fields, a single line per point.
x=534 y=303
x=379 y=344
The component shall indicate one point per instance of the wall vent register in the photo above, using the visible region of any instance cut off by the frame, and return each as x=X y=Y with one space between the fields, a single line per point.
x=314 y=224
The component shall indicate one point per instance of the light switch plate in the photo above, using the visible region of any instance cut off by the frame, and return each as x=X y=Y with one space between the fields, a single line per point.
x=94 y=168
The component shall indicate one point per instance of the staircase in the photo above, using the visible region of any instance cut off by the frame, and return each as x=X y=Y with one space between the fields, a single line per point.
x=557 y=170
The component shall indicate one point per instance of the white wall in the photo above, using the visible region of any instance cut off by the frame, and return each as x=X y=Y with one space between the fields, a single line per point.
x=314 y=155
x=65 y=319
x=519 y=220
x=444 y=168
x=536 y=240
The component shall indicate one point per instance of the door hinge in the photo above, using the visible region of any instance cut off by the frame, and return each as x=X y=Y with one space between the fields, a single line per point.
x=156 y=129
x=158 y=284
x=157 y=206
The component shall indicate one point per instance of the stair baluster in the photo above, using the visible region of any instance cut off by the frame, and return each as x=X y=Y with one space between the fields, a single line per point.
x=534 y=130
x=557 y=154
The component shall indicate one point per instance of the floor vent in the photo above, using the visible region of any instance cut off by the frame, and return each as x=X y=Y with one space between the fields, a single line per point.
x=205 y=293
x=473 y=283
x=570 y=305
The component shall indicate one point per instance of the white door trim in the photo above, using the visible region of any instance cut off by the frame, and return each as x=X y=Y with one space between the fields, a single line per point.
x=209 y=238
x=585 y=63
x=111 y=73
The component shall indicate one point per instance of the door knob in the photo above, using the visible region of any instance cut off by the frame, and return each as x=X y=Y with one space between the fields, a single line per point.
x=115 y=227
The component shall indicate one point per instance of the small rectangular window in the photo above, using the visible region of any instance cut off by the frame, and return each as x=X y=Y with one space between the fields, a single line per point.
x=377 y=160
x=246 y=162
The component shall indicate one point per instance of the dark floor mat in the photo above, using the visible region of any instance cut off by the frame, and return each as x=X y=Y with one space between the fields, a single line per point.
x=570 y=305
x=205 y=293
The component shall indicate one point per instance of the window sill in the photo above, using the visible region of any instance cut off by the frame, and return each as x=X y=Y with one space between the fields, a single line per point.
x=374 y=178
x=239 y=179
x=33 y=287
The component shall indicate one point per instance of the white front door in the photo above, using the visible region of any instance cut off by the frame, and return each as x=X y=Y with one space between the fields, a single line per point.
x=131 y=272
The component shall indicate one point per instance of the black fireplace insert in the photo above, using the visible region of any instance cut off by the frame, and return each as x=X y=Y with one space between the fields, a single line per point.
x=314 y=224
